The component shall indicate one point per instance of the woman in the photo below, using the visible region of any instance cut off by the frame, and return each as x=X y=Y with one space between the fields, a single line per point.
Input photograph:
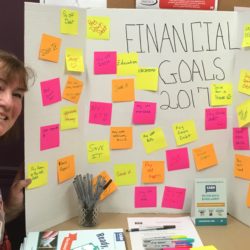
x=13 y=84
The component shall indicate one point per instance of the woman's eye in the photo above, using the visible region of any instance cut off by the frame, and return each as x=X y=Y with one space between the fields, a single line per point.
x=18 y=95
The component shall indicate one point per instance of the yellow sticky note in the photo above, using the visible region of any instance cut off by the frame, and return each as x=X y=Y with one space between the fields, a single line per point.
x=121 y=137
x=69 y=117
x=74 y=60
x=65 y=168
x=73 y=89
x=127 y=64
x=153 y=140
x=125 y=174
x=248 y=196
x=243 y=113
x=123 y=90
x=205 y=157
x=221 y=94
x=49 y=48
x=98 y=151
x=98 y=27
x=246 y=37
x=69 y=22
x=242 y=166
x=38 y=173
x=244 y=82
x=147 y=79
x=211 y=247
x=153 y=171
x=109 y=187
x=185 y=132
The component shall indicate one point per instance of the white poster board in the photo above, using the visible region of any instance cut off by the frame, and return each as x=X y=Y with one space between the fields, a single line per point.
x=203 y=52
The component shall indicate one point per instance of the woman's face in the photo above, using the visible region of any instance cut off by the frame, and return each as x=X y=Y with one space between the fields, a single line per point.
x=11 y=95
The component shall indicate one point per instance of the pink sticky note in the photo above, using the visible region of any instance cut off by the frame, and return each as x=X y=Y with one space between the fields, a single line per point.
x=105 y=62
x=240 y=138
x=174 y=248
x=51 y=91
x=144 y=112
x=145 y=196
x=100 y=113
x=177 y=159
x=215 y=118
x=49 y=136
x=173 y=197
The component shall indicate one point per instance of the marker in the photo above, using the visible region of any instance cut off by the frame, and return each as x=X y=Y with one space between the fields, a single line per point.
x=151 y=228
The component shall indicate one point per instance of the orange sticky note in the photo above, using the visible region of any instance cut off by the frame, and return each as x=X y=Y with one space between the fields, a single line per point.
x=49 y=48
x=242 y=166
x=109 y=187
x=123 y=90
x=73 y=89
x=121 y=137
x=204 y=157
x=248 y=196
x=152 y=171
x=65 y=168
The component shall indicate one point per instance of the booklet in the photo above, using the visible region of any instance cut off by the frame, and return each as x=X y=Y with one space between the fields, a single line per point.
x=95 y=239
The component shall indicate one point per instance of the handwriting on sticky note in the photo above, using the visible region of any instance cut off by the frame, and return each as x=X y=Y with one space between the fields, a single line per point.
x=243 y=113
x=69 y=117
x=241 y=166
x=205 y=157
x=73 y=89
x=127 y=64
x=145 y=197
x=123 y=90
x=144 y=112
x=49 y=136
x=51 y=91
x=98 y=27
x=125 y=174
x=74 y=60
x=173 y=197
x=153 y=140
x=100 y=113
x=65 y=168
x=152 y=171
x=221 y=94
x=38 y=173
x=215 y=118
x=98 y=151
x=177 y=159
x=244 y=82
x=246 y=37
x=105 y=62
x=240 y=138
x=69 y=21
x=49 y=48
x=147 y=79
x=121 y=137
x=184 y=132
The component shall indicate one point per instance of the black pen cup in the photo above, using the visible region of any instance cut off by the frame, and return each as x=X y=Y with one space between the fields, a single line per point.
x=88 y=216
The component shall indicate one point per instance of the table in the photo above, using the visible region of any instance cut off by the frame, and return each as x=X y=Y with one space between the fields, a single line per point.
x=234 y=236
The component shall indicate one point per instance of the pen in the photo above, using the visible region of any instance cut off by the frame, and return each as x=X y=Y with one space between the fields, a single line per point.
x=151 y=228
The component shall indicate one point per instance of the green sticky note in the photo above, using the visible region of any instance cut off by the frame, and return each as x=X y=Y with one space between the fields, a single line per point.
x=69 y=22
x=246 y=37
x=38 y=173
x=153 y=140
x=125 y=174
x=74 y=60
x=98 y=151
x=221 y=94
x=127 y=64
x=98 y=27
x=243 y=113
x=69 y=117
x=147 y=79
x=184 y=132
